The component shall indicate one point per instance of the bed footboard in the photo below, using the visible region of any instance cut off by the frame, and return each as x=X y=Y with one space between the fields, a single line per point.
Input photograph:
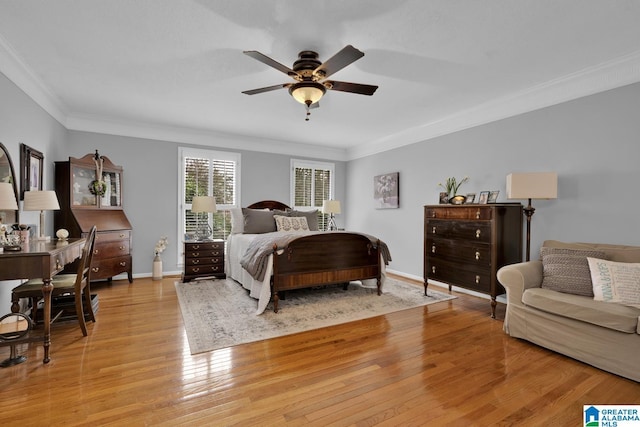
x=324 y=259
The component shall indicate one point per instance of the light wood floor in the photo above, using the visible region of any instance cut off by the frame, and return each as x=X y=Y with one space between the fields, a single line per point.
x=444 y=364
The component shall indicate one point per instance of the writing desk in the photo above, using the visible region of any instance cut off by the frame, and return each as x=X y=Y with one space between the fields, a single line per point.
x=41 y=259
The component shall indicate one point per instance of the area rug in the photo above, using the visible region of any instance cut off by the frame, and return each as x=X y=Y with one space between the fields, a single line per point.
x=220 y=313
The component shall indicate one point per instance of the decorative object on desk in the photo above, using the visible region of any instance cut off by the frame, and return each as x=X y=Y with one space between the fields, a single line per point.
x=331 y=207
x=458 y=199
x=483 y=198
x=13 y=326
x=386 y=191
x=452 y=185
x=62 y=234
x=157 y=261
x=471 y=197
x=532 y=185
x=206 y=204
x=444 y=198
x=493 y=196
x=41 y=201
x=98 y=187
x=31 y=169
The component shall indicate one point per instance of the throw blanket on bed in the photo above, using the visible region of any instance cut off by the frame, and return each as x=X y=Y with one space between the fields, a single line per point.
x=255 y=258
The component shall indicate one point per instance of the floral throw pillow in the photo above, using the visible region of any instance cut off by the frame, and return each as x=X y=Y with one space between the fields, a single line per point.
x=291 y=223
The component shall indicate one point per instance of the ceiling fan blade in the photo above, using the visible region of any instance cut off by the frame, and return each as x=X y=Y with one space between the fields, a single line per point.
x=270 y=62
x=266 y=89
x=338 y=61
x=353 y=87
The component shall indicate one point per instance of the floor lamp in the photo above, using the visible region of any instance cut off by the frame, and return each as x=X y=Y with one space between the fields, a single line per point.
x=532 y=185
x=203 y=204
x=331 y=207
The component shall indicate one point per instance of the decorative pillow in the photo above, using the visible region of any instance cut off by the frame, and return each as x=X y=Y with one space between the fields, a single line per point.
x=287 y=223
x=615 y=281
x=567 y=270
x=237 y=221
x=312 y=218
x=257 y=221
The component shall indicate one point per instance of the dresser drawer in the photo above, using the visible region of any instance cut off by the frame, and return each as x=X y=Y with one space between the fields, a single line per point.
x=111 y=249
x=204 y=246
x=203 y=270
x=476 y=231
x=109 y=267
x=204 y=253
x=459 y=212
x=204 y=261
x=109 y=236
x=469 y=277
x=472 y=253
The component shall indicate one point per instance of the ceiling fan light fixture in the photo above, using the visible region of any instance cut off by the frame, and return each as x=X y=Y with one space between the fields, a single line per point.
x=307 y=93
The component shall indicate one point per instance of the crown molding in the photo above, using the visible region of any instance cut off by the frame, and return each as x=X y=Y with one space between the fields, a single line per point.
x=610 y=75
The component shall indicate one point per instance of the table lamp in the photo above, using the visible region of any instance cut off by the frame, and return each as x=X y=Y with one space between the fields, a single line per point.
x=203 y=204
x=331 y=207
x=532 y=185
x=7 y=197
x=41 y=201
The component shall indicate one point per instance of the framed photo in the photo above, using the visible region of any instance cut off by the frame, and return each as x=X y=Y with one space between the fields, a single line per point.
x=444 y=198
x=386 y=191
x=31 y=169
x=471 y=198
x=484 y=197
x=493 y=196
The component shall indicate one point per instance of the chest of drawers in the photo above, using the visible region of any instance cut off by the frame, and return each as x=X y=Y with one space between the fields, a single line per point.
x=203 y=259
x=465 y=245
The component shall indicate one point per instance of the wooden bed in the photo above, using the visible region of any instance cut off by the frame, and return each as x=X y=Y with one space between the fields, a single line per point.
x=323 y=259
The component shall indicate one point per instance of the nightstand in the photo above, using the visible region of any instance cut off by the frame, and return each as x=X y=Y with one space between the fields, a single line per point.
x=203 y=259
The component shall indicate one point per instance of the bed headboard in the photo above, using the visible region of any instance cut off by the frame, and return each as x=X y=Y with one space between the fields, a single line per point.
x=269 y=204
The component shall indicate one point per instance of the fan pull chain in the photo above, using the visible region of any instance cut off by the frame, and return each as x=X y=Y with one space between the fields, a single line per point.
x=308 y=113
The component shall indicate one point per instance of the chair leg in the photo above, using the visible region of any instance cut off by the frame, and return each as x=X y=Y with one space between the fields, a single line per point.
x=87 y=303
x=80 y=314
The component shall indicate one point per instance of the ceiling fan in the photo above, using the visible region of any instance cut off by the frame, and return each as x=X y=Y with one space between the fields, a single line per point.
x=310 y=75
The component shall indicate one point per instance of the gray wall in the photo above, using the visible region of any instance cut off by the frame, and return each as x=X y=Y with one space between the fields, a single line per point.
x=592 y=143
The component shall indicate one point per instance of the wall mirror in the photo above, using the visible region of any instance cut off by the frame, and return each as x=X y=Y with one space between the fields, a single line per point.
x=7 y=174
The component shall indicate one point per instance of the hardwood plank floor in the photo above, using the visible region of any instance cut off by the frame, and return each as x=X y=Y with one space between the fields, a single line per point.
x=444 y=364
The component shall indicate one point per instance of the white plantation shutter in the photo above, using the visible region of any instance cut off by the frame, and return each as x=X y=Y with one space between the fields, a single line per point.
x=311 y=184
x=208 y=173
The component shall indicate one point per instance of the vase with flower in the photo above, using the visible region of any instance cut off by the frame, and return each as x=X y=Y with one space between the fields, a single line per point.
x=157 y=260
x=451 y=186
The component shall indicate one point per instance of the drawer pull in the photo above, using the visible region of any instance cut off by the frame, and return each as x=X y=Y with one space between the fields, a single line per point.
x=195 y=254
x=433 y=230
x=477 y=255
x=195 y=247
x=478 y=232
x=95 y=269
x=216 y=253
x=433 y=249
x=477 y=280
x=196 y=261
x=433 y=214
x=122 y=248
x=123 y=264
x=196 y=270
x=95 y=251
x=58 y=265
x=478 y=214
x=122 y=235
x=433 y=269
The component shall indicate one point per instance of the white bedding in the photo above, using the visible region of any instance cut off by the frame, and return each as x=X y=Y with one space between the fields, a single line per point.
x=237 y=245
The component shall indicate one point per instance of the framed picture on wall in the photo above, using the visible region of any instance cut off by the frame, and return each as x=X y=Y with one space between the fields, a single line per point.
x=31 y=169
x=386 y=192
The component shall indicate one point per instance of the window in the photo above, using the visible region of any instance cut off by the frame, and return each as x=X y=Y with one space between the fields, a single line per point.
x=208 y=173
x=311 y=184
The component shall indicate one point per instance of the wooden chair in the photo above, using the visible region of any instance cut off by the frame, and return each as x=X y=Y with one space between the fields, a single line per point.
x=65 y=284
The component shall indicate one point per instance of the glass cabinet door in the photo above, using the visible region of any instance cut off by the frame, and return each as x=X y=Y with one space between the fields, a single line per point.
x=81 y=183
x=113 y=191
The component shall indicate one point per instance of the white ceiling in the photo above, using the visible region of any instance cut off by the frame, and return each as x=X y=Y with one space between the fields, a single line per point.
x=174 y=69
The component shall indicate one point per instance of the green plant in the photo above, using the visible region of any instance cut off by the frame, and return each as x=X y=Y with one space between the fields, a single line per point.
x=452 y=185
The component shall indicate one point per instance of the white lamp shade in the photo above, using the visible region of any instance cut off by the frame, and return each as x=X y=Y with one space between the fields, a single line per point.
x=40 y=201
x=532 y=185
x=307 y=92
x=203 y=204
x=331 y=206
x=8 y=200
